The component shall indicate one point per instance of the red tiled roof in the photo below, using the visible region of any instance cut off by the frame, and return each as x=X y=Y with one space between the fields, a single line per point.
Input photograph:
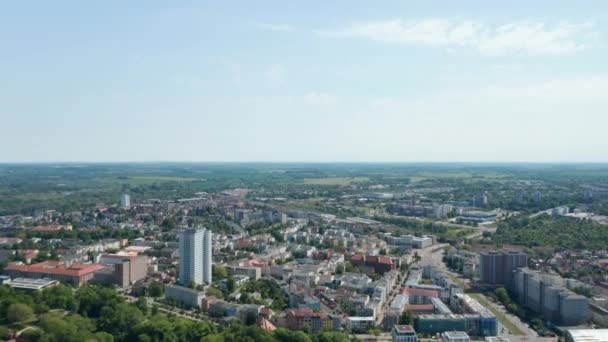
x=266 y=325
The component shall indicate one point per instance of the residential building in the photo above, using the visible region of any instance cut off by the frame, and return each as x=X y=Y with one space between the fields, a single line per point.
x=496 y=268
x=125 y=201
x=546 y=295
x=373 y=264
x=195 y=252
x=306 y=318
x=185 y=295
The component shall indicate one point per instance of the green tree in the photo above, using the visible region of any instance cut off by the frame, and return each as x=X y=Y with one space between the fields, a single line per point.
x=156 y=289
x=19 y=312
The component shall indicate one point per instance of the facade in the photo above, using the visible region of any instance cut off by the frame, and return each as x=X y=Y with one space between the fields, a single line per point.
x=455 y=336
x=76 y=274
x=195 y=252
x=125 y=201
x=496 y=268
x=404 y=333
x=188 y=296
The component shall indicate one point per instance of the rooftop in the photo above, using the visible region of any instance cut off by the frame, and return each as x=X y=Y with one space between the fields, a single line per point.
x=55 y=267
x=404 y=328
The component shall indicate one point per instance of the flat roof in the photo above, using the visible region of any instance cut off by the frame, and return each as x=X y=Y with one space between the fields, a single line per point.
x=589 y=335
x=31 y=284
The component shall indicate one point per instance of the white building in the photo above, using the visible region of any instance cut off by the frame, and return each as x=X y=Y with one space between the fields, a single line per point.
x=404 y=333
x=125 y=201
x=455 y=336
x=184 y=295
x=195 y=252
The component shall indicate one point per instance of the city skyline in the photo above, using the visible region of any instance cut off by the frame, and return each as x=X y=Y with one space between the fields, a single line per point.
x=402 y=82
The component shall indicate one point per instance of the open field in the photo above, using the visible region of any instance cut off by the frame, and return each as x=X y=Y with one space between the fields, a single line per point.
x=335 y=180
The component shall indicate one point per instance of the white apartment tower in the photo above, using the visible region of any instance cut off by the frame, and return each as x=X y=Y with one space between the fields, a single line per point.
x=195 y=254
x=125 y=201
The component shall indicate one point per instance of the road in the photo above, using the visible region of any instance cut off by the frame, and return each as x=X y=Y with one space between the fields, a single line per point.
x=433 y=256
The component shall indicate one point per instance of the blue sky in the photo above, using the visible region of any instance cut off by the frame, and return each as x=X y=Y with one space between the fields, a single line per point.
x=304 y=81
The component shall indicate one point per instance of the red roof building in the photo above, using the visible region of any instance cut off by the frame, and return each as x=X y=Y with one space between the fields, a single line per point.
x=372 y=263
x=76 y=274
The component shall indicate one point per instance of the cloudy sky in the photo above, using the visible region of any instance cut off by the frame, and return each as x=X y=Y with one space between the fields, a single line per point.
x=304 y=81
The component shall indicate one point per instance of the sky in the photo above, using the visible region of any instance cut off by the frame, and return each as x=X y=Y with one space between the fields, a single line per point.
x=399 y=81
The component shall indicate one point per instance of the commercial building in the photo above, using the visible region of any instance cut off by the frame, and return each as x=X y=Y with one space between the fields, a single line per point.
x=125 y=201
x=472 y=324
x=546 y=295
x=195 y=252
x=587 y=335
x=76 y=274
x=404 y=333
x=496 y=268
x=455 y=336
x=185 y=295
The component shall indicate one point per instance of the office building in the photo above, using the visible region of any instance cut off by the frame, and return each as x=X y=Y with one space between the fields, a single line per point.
x=125 y=201
x=195 y=252
x=455 y=336
x=496 y=268
x=404 y=333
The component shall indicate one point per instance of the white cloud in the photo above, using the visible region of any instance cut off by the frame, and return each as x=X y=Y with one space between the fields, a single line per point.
x=529 y=37
x=275 y=75
x=273 y=27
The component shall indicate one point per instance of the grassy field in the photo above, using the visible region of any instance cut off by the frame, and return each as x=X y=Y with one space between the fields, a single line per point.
x=499 y=315
x=334 y=180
